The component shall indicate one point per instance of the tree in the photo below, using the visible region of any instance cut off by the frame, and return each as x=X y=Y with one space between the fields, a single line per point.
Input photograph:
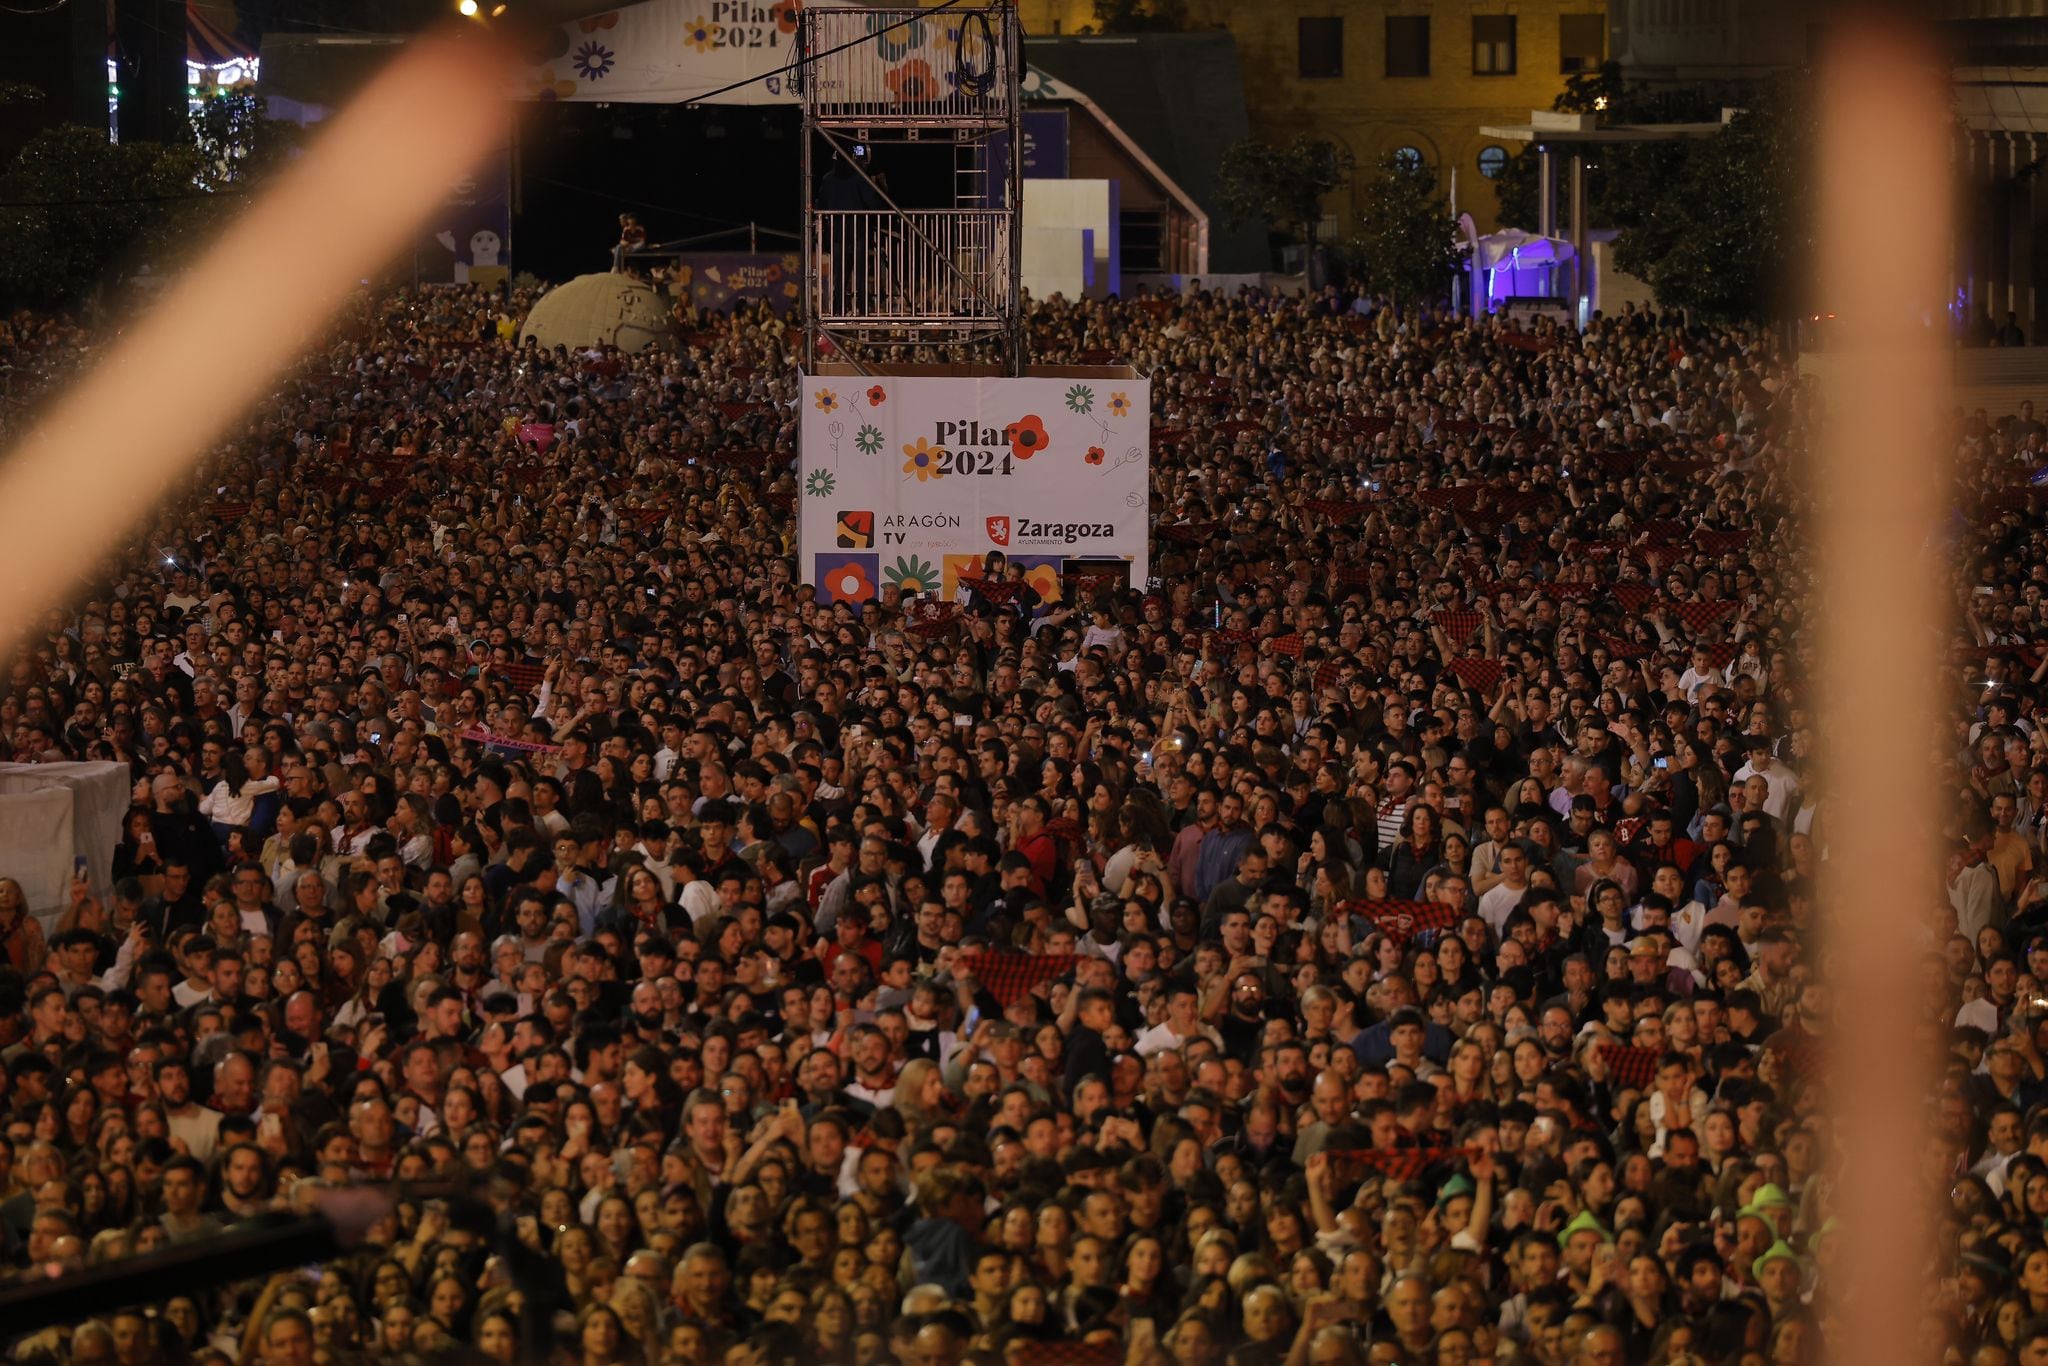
x=1619 y=178
x=1282 y=187
x=73 y=204
x=77 y=210
x=1711 y=224
x=1730 y=237
x=1141 y=16
x=236 y=143
x=1403 y=247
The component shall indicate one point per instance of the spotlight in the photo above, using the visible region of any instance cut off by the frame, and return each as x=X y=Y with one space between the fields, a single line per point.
x=468 y=9
x=498 y=11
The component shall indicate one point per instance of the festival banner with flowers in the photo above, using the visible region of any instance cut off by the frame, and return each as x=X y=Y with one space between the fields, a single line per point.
x=667 y=51
x=719 y=279
x=680 y=51
x=910 y=481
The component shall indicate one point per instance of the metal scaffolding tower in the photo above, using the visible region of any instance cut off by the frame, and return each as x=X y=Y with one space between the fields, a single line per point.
x=914 y=266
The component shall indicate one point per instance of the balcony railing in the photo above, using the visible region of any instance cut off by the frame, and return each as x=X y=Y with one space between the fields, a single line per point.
x=920 y=268
x=908 y=67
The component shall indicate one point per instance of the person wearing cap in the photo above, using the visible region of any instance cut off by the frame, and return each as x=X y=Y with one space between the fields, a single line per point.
x=1779 y=1273
x=1578 y=1240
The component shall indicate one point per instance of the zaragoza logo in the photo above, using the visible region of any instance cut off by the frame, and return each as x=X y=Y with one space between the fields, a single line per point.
x=999 y=530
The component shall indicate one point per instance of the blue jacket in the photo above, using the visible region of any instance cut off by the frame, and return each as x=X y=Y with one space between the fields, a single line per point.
x=1218 y=859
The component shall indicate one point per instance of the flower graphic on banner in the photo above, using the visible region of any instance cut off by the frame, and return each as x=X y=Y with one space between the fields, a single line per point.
x=1094 y=456
x=912 y=575
x=847 y=578
x=1119 y=405
x=1080 y=399
x=877 y=396
x=1028 y=437
x=1044 y=578
x=913 y=81
x=820 y=484
x=593 y=61
x=598 y=21
x=789 y=289
x=869 y=439
x=786 y=15
x=701 y=34
x=827 y=401
x=546 y=87
x=953 y=568
x=923 y=461
x=893 y=41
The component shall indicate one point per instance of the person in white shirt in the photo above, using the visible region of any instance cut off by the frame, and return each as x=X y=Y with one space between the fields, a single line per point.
x=1781 y=780
x=1688 y=918
x=1182 y=1025
x=1702 y=676
x=1498 y=904
x=233 y=799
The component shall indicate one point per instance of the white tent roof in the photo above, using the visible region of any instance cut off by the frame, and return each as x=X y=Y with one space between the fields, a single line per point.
x=1513 y=247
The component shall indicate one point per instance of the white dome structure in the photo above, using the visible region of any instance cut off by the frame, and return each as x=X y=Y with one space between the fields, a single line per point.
x=600 y=310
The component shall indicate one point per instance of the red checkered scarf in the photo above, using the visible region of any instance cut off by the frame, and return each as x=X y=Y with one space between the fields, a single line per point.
x=1459 y=624
x=1627 y=1065
x=1404 y=1164
x=1698 y=616
x=1011 y=976
x=1632 y=596
x=1401 y=921
x=930 y=618
x=1482 y=675
x=991 y=590
x=1031 y=1353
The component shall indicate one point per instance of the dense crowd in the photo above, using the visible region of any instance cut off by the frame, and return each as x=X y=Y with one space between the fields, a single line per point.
x=1388 y=936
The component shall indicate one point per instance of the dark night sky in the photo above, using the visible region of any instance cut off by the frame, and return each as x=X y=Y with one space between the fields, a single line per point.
x=684 y=171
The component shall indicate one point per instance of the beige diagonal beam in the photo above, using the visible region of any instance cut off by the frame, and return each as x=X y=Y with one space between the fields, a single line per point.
x=119 y=441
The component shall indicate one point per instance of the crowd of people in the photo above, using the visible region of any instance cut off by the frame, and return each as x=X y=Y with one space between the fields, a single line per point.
x=1387 y=936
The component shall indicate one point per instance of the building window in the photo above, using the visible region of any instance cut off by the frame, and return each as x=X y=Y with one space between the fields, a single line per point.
x=1322 y=48
x=1408 y=158
x=1581 y=42
x=1493 y=44
x=1492 y=160
x=1407 y=45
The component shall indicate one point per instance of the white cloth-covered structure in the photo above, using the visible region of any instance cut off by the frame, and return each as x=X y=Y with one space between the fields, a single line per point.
x=54 y=814
x=600 y=310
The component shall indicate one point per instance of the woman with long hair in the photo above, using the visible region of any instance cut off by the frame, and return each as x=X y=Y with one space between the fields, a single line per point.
x=22 y=946
x=830 y=1324
x=1419 y=850
x=602 y=1340
x=367 y=998
x=136 y=855
x=232 y=801
x=921 y=1096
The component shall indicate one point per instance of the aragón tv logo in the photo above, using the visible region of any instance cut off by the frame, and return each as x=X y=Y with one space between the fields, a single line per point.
x=857 y=529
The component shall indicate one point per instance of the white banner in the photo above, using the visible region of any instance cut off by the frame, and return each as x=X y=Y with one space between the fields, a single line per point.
x=912 y=481
x=678 y=51
x=668 y=52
